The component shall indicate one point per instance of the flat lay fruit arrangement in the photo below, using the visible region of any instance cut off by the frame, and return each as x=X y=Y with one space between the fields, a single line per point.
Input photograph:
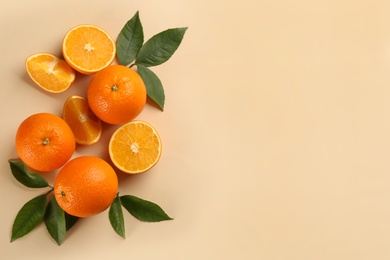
x=120 y=84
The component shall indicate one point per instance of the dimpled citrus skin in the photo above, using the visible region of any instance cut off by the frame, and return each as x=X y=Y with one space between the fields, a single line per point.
x=86 y=186
x=117 y=94
x=44 y=142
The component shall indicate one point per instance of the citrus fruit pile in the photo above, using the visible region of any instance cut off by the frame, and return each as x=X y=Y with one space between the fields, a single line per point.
x=116 y=95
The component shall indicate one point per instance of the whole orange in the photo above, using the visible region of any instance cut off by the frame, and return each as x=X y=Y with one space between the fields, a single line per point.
x=116 y=94
x=44 y=142
x=85 y=186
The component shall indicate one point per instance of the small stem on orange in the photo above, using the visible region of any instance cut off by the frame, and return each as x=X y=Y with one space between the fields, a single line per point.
x=114 y=88
x=45 y=141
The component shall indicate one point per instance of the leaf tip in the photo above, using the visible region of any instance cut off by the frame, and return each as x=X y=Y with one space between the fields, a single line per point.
x=169 y=218
x=183 y=29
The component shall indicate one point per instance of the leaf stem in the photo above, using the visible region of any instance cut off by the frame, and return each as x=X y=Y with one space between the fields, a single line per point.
x=51 y=189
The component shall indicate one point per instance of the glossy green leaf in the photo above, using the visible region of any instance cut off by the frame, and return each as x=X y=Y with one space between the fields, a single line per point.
x=154 y=87
x=143 y=210
x=160 y=47
x=29 y=216
x=130 y=40
x=55 y=221
x=31 y=180
x=70 y=221
x=116 y=217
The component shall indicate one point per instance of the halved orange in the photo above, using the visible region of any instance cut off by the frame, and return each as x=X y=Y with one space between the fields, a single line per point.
x=88 y=48
x=86 y=127
x=50 y=72
x=135 y=147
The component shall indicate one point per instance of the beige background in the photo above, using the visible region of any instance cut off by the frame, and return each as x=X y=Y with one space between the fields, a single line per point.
x=275 y=132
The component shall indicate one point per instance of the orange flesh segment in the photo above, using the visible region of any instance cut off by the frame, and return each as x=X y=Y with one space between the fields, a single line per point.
x=88 y=48
x=135 y=147
x=49 y=72
x=86 y=127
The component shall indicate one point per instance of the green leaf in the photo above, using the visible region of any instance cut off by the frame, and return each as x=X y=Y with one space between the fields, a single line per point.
x=143 y=210
x=29 y=216
x=116 y=217
x=154 y=87
x=130 y=40
x=70 y=221
x=55 y=221
x=160 y=47
x=31 y=180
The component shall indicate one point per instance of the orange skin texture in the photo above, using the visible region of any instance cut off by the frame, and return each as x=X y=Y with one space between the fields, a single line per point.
x=44 y=142
x=86 y=186
x=117 y=94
